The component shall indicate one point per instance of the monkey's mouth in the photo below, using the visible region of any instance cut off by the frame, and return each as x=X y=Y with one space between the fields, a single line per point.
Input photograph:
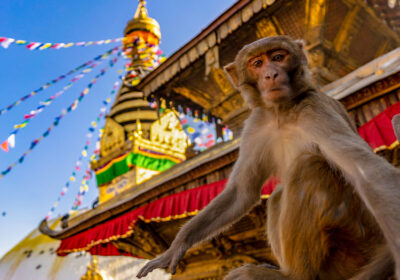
x=276 y=93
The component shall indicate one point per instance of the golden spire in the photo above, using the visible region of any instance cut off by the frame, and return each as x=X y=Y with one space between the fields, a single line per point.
x=143 y=22
x=141 y=11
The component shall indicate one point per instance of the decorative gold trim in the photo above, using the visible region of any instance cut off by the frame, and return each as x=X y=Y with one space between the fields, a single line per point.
x=385 y=147
x=113 y=137
x=140 y=142
x=142 y=114
x=129 y=104
x=115 y=160
x=131 y=230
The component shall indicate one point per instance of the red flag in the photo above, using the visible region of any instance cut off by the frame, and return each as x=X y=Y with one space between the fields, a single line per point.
x=4 y=146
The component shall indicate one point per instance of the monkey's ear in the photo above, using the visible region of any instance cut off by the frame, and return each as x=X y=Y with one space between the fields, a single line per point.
x=231 y=70
x=303 y=53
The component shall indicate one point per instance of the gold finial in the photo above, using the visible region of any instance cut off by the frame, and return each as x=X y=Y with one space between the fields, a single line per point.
x=142 y=21
x=141 y=11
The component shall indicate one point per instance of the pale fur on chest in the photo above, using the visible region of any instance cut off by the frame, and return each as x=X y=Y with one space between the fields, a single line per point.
x=285 y=143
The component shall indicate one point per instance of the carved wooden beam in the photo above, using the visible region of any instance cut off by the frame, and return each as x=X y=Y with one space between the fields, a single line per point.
x=127 y=246
x=315 y=20
x=195 y=97
x=348 y=28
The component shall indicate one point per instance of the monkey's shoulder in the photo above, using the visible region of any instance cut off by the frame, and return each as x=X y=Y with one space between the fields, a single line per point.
x=317 y=106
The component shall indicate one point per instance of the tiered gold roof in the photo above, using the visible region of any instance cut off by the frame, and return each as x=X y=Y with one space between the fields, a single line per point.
x=129 y=106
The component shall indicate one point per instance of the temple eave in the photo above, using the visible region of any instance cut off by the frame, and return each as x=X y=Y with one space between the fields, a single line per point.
x=157 y=185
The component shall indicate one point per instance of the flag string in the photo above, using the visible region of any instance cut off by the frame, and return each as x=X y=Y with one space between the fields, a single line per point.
x=5 y=42
x=92 y=128
x=10 y=141
x=57 y=119
x=99 y=57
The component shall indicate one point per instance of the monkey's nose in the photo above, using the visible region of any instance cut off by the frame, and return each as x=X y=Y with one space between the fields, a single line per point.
x=271 y=75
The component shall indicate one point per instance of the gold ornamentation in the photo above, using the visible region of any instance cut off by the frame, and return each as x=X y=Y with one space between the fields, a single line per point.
x=315 y=18
x=142 y=21
x=167 y=137
x=265 y=28
x=212 y=59
x=167 y=133
x=143 y=174
x=131 y=104
x=92 y=272
x=118 y=185
x=113 y=137
x=220 y=79
x=133 y=115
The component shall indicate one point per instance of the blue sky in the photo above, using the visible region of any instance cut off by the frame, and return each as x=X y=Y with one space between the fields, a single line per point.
x=30 y=189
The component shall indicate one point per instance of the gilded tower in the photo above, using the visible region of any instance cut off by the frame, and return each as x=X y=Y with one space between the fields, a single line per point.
x=130 y=111
x=136 y=143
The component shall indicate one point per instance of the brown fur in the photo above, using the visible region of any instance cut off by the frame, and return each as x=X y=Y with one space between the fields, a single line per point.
x=323 y=220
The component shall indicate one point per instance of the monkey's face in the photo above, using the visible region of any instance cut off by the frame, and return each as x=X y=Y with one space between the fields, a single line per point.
x=269 y=71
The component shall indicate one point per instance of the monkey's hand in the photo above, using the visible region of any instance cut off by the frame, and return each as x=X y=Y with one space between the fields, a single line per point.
x=170 y=259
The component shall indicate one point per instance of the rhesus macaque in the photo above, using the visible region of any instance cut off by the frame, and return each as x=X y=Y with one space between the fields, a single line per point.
x=336 y=213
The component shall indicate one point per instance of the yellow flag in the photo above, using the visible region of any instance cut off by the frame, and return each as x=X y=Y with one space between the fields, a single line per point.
x=45 y=46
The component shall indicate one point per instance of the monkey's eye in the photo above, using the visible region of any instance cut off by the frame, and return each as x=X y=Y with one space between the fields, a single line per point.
x=257 y=63
x=278 y=57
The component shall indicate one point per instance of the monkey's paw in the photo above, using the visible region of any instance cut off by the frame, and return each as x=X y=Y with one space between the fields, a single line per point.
x=160 y=262
x=169 y=259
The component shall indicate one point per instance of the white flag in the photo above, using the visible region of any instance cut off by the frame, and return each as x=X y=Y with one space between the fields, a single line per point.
x=11 y=140
x=5 y=44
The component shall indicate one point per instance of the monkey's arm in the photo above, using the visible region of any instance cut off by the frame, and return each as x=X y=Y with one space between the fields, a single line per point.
x=376 y=181
x=241 y=193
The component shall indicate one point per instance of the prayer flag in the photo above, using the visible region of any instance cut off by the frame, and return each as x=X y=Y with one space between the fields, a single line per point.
x=7 y=42
x=45 y=46
x=32 y=46
x=11 y=140
x=4 y=146
x=74 y=105
x=58 y=46
x=20 y=125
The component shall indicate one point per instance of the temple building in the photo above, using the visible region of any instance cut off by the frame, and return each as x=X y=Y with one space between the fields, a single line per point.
x=138 y=142
x=139 y=216
x=35 y=258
